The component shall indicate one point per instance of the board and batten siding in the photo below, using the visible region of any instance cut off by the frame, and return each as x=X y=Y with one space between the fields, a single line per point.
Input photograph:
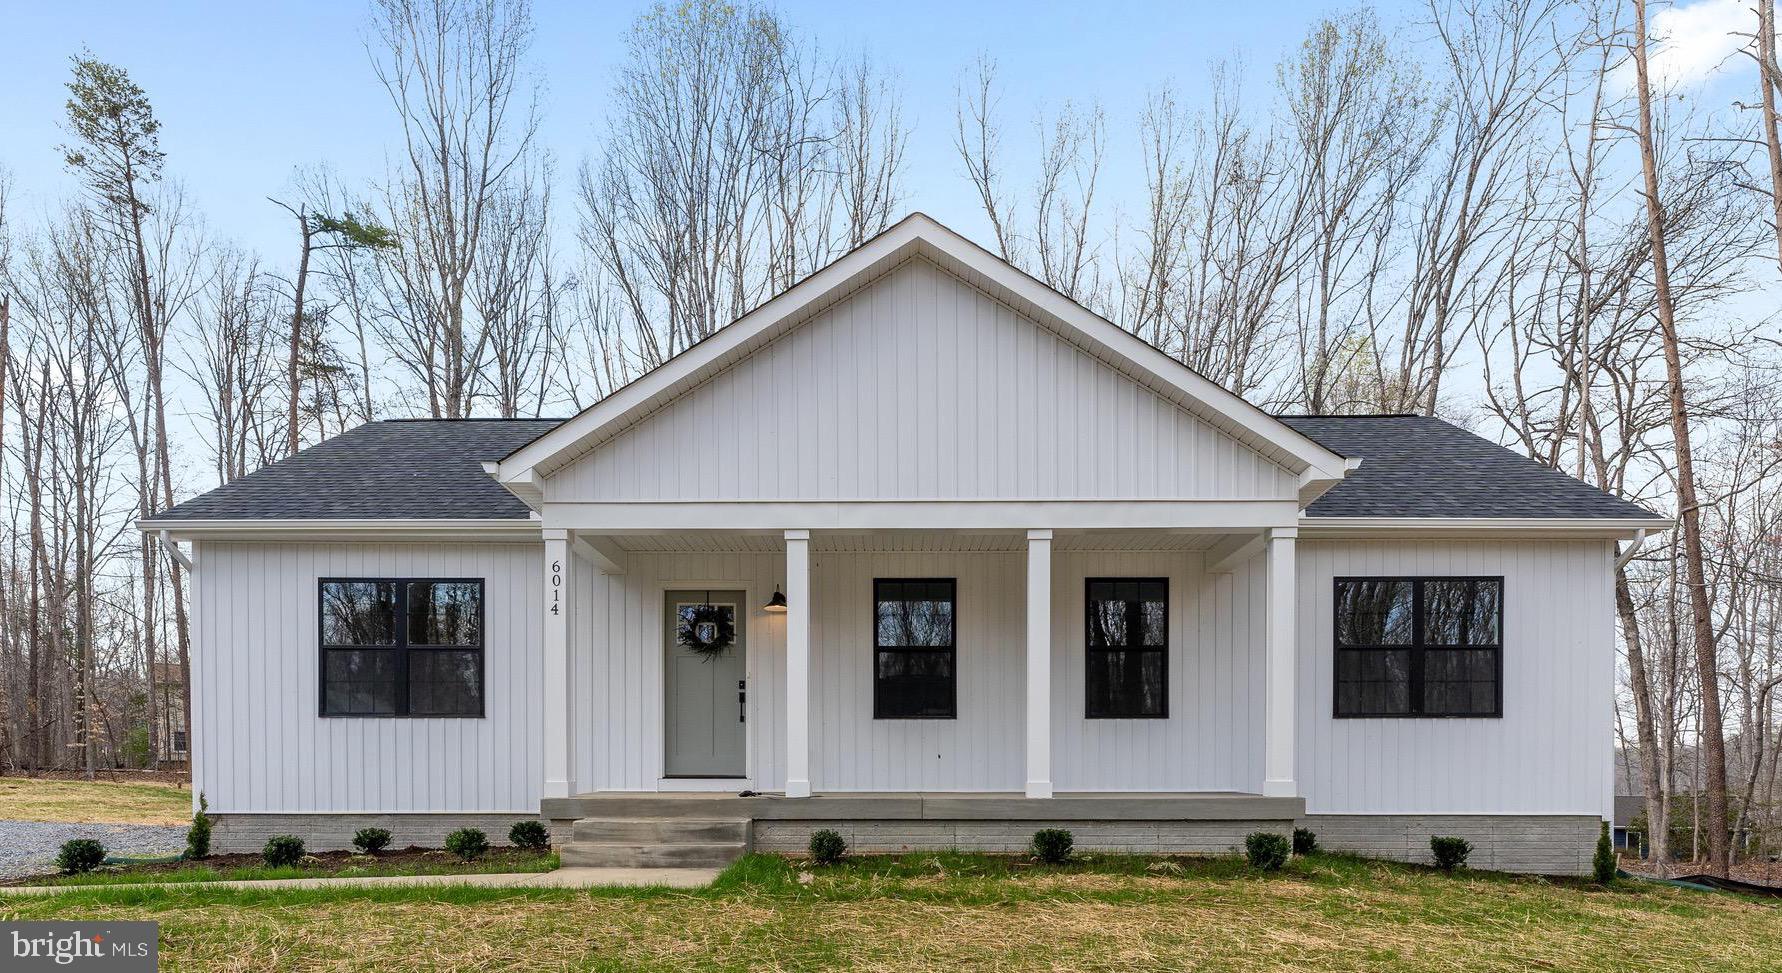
x=920 y=387
x=1211 y=742
x=1550 y=753
x=259 y=742
x=261 y=747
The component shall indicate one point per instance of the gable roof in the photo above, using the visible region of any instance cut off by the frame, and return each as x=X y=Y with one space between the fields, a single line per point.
x=430 y=470
x=919 y=235
x=1418 y=466
x=396 y=469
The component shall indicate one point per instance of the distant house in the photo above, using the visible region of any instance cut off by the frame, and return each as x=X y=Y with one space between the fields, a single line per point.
x=1628 y=808
x=171 y=736
x=925 y=552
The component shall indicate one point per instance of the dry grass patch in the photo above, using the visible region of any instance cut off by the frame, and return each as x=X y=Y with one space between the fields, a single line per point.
x=93 y=802
x=1322 y=914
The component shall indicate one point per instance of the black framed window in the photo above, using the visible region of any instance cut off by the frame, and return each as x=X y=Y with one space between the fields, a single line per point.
x=915 y=661
x=1419 y=647
x=1126 y=674
x=401 y=647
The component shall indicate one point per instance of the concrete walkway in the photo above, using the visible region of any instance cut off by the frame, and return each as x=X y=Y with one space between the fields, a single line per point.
x=562 y=878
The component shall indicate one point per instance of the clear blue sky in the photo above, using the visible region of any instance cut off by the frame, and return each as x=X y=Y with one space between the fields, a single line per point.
x=247 y=91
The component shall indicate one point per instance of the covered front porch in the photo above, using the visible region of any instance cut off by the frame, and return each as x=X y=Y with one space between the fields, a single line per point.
x=609 y=827
x=813 y=742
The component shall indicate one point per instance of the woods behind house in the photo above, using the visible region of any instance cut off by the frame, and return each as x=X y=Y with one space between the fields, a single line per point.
x=1498 y=213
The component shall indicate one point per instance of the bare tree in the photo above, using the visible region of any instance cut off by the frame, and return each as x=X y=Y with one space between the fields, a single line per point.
x=1713 y=741
x=455 y=73
x=737 y=159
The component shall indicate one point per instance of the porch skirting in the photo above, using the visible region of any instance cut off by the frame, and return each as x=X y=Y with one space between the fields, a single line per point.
x=1541 y=844
x=322 y=831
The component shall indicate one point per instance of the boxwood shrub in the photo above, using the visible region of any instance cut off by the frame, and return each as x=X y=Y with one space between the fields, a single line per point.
x=1449 y=852
x=827 y=847
x=1267 y=850
x=1052 y=845
x=371 y=840
x=282 y=850
x=529 y=834
x=80 y=855
x=467 y=843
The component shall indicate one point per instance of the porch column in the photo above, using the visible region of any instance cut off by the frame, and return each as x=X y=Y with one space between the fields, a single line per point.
x=1280 y=701
x=798 y=663
x=559 y=694
x=1039 y=663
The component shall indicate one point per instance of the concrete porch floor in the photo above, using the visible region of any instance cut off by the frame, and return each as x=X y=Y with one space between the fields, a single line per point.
x=928 y=805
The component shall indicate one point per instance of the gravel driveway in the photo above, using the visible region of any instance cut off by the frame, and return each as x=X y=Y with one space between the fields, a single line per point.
x=29 y=847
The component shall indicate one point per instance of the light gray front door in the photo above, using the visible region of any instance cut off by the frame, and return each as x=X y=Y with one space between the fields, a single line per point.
x=705 y=688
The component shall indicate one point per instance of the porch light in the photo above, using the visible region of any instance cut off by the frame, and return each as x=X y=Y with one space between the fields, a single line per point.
x=776 y=604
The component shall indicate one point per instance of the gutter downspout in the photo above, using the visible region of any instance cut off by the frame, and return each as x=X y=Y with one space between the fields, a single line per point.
x=1639 y=541
x=172 y=547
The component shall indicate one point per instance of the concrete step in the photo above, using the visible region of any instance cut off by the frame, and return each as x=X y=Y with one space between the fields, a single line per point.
x=705 y=854
x=671 y=831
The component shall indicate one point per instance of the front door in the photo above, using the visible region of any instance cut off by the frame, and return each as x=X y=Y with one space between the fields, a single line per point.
x=706 y=663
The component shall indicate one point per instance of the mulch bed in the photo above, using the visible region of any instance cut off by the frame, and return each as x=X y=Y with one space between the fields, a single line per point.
x=324 y=863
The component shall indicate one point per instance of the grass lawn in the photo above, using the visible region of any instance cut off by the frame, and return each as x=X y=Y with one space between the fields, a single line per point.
x=959 y=912
x=248 y=868
x=93 y=802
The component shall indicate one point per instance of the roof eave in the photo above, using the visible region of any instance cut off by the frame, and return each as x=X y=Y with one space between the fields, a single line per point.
x=1574 y=527
x=481 y=528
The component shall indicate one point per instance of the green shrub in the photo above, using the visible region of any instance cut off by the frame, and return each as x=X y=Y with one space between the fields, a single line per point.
x=529 y=834
x=827 y=847
x=198 y=835
x=1267 y=850
x=80 y=855
x=1604 y=864
x=1304 y=841
x=1449 y=852
x=467 y=843
x=1052 y=845
x=371 y=840
x=282 y=850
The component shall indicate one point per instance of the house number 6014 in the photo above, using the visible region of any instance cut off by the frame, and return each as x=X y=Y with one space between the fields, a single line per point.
x=556 y=587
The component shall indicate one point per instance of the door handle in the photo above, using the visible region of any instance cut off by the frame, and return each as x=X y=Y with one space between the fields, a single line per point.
x=742 y=700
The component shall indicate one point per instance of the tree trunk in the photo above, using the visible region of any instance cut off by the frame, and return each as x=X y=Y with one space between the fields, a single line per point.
x=1713 y=734
x=1769 y=77
x=291 y=371
x=1659 y=840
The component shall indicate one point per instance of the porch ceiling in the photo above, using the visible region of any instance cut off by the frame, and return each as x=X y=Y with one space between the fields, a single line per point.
x=913 y=542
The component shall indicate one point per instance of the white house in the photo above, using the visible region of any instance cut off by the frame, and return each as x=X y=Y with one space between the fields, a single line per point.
x=925 y=552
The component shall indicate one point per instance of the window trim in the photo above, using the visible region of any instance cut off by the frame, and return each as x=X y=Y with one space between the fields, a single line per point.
x=1088 y=649
x=1416 y=649
x=402 y=648
x=951 y=648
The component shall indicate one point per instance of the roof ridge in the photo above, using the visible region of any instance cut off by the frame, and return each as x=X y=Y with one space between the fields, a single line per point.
x=464 y=419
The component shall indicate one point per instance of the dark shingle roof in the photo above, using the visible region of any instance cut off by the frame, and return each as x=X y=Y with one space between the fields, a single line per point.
x=1412 y=466
x=393 y=470
x=1417 y=466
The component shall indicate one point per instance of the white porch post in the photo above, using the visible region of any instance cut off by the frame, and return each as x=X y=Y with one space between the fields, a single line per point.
x=1039 y=663
x=798 y=663
x=559 y=694
x=1279 y=715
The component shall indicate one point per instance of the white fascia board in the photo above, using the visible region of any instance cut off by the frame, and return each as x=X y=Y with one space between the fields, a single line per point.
x=654 y=517
x=1146 y=363
x=463 y=529
x=1473 y=526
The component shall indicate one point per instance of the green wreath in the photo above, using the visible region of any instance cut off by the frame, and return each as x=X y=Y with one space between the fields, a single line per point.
x=706 y=629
